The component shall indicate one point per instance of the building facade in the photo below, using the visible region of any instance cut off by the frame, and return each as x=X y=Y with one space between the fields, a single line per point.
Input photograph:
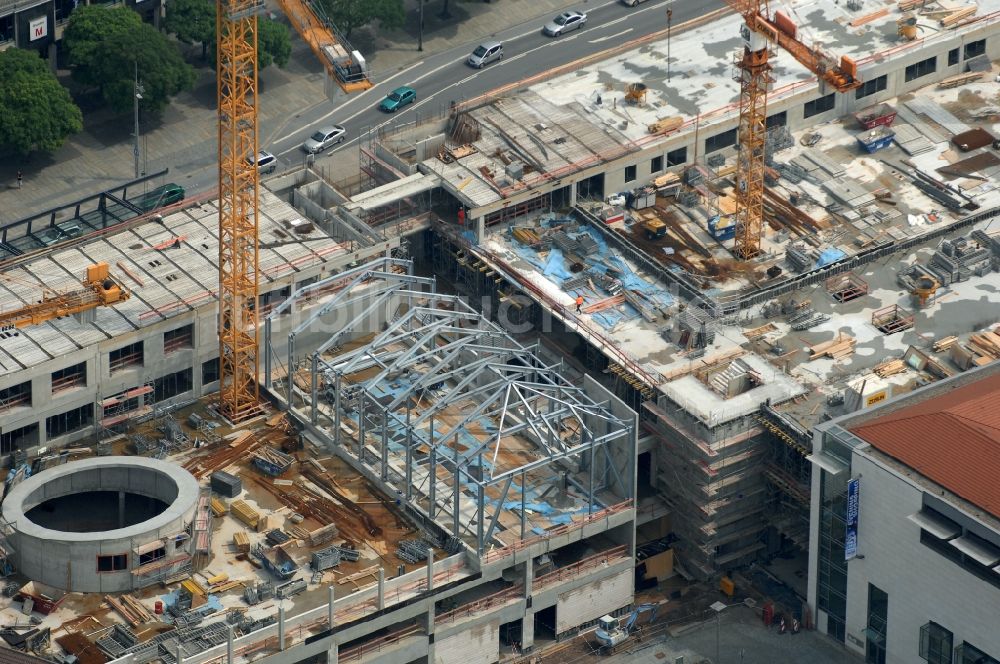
x=905 y=532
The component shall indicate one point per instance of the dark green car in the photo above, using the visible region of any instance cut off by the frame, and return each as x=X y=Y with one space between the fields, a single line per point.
x=162 y=196
x=398 y=98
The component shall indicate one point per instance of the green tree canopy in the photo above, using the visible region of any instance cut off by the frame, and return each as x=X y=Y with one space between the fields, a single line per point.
x=192 y=21
x=36 y=112
x=273 y=43
x=347 y=15
x=106 y=43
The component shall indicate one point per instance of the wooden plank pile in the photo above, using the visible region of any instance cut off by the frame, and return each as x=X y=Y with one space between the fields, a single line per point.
x=986 y=344
x=758 y=332
x=890 y=368
x=868 y=18
x=241 y=540
x=944 y=344
x=606 y=303
x=960 y=79
x=527 y=236
x=218 y=507
x=242 y=511
x=955 y=16
x=835 y=349
x=130 y=609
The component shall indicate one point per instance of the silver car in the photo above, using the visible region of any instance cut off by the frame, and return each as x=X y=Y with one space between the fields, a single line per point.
x=266 y=162
x=324 y=138
x=565 y=22
x=485 y=53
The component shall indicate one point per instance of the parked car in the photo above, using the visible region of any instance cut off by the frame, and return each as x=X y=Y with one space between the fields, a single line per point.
x=323 y=138
x=266 y=162
x=397 y=99
x=55 y=234
x=565 y=22
x=632 y=3
x=485 y=53
x=167 y=194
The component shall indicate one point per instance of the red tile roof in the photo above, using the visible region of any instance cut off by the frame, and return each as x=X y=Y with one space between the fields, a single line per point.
x=952 y=439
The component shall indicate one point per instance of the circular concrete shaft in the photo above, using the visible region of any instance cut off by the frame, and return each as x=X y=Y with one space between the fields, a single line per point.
x=88 y=525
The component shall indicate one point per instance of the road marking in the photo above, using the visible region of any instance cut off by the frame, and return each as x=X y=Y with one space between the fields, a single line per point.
x=340 y=108
x=601 y=39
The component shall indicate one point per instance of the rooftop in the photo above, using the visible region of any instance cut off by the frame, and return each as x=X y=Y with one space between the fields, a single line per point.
x=952 y=439
x=170 y=268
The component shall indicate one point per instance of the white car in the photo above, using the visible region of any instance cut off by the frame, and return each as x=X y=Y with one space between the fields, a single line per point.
x=565 y=22
x=266 y=162
x=632 y=3
x=324 y=138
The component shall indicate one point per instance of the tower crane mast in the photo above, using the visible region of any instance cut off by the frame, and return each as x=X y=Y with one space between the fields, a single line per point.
x=239 y=191
x=753 y=69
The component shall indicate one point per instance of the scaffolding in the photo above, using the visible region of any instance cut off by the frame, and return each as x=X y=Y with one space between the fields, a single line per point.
x=472 y=429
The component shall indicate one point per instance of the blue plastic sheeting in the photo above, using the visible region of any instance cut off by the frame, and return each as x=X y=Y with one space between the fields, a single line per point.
x=555 y=266
x=831 y=255
x=470 y=237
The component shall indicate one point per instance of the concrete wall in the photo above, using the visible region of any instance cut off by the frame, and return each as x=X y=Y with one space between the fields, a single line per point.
x=69 y=560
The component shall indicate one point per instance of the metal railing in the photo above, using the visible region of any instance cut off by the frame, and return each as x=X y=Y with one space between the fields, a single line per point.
x=520 y=545
x=390 y=640
x=605 y=558
x=489 y=602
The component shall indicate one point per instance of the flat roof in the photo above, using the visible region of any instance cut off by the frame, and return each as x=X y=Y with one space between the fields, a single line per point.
x=165 y=280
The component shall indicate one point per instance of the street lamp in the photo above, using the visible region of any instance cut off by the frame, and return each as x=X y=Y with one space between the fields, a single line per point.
x=718 y=607
x=137 y=97
x=670 y=15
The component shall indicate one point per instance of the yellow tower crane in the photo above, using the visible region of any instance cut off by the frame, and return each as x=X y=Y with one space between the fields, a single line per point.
x=239 y=191
x=753 y=74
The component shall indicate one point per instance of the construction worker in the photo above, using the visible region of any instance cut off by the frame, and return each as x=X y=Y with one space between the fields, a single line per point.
x=579 y=304
x=461 y=216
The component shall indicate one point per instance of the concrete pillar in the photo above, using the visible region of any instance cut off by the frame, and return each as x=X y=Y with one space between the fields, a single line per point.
x=281 y=628
x=381 y=588
x=229 y=646
x=330 y=617
x=333 y=654
x=53 y=57
x=179 y=656
x=430 y=569
x=528 y=623
x=480 y=228
x=121 y=509
x=572 y=194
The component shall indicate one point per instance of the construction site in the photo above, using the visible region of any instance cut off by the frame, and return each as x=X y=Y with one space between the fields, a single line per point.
x=555 y=360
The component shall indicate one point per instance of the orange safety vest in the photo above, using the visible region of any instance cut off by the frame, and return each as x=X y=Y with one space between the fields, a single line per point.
x=579 y=300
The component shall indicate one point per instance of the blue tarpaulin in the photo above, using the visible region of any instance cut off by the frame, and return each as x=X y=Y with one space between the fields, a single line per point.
x=831 y=255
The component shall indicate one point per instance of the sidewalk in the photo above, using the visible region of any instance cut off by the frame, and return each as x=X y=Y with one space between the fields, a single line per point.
x=184 y=137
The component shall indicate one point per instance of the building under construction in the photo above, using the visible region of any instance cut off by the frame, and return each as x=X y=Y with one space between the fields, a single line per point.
x=459 y=463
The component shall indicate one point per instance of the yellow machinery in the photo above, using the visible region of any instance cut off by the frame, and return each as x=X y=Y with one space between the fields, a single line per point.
x=924 y=290
x=635 y=93
x=753 y=74
x=100 y=289
x=239 y=192
x=654 y=228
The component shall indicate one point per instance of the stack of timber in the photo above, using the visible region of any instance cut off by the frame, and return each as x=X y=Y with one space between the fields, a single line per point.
x=606 y=303
x=944 y=344
x=838 y=348
x=241 y=540
x=130 y=609
x=218 y=507
x=323 y=534
x=890 y=368
x=986 y=344
x=242 y=511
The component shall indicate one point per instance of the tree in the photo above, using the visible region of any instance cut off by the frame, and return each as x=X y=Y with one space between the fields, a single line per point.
x=36 y=112
x=445 y=14
x=273 y=44
x=105 y=46
x=192 y=21
x=347 y=15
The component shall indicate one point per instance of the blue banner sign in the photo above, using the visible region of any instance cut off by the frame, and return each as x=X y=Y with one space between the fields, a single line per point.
x=853 y=505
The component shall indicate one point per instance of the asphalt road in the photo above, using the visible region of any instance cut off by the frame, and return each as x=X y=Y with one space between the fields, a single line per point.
x=445 y=77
